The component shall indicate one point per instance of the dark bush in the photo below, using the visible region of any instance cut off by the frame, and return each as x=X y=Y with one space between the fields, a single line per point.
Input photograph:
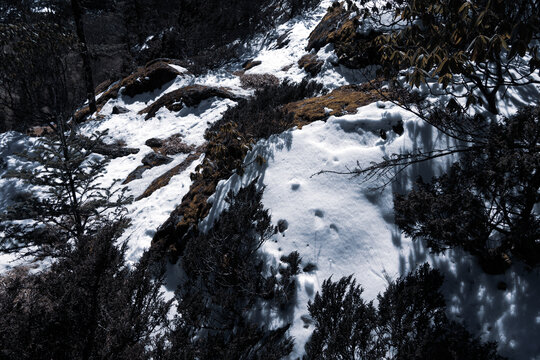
x=485 y=203
x=89 y=305
x=229 y=287
x=262 y=116
x=408 y=323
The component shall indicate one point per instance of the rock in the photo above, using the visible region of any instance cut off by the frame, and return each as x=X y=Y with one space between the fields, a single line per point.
x=154 y=142
x=339 y=27
x=258 y=81
x=164 y=179
x=135 y=174
x=114 y=151
x=311 y=64
x=110 y=93
x=149 y=78
x=251 y=64
x=103 y=86
x=190 y=95
x=155 y=159
x=109 y=150
x=282 y=40
x=398 y=128
x=319 y=37
x=309 y=267
x=119 y=110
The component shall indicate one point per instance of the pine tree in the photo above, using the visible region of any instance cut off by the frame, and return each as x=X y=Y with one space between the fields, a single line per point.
x=73 y=203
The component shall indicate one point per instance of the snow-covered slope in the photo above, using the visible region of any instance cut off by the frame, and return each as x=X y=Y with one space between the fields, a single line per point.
x=337 y=223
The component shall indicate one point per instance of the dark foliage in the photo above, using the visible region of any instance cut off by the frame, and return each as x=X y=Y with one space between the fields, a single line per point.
x=205 y=30
x=262 y=116
x=34 y=77
x=87 y=305
x=409 y=323
x=479 y=40
x=72 y=206
x=486 y=202
x=229 y=288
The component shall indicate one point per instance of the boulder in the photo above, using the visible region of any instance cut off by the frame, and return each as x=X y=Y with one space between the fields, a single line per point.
x=119 y=110
x=251 y=64
x=190 y=95
x=154 y=143
x=155 y=159
x=149 y=78
x=311 y=64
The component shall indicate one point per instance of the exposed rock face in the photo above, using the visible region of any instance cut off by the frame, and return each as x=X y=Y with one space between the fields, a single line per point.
x=150 y=77
x=251 y=64
x=354 y=50
x=320 y=36
x=146 y=78
x=190 y=95
x=311 y=63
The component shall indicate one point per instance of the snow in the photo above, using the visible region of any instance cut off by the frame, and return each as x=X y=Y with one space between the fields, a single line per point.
x=338 y=223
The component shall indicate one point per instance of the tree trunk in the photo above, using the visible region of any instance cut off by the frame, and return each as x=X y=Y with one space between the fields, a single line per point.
x=77 y=15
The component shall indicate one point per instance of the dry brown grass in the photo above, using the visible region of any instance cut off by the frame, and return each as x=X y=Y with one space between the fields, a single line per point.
x=341 y=101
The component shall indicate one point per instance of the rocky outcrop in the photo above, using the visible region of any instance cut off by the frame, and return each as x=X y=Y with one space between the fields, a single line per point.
x=147 y=78
x=311 y=64
x=320 y=36
x=251 y=64
x=190 y=95
x=339 y=27
x=152 y=76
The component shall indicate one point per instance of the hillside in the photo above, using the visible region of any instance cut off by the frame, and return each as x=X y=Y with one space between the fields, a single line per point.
x=170 y=143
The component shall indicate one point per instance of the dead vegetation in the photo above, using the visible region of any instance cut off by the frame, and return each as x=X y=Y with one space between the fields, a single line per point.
x=341 y=101
x=258 y=81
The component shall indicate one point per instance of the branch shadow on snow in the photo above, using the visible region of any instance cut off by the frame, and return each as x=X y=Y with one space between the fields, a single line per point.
x=502 y=308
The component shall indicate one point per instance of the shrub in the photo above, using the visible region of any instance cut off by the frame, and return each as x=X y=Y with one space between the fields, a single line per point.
x=408 y=323
x=229 y=287
x=89 y=304
x=262 y=115
x=485 y=202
